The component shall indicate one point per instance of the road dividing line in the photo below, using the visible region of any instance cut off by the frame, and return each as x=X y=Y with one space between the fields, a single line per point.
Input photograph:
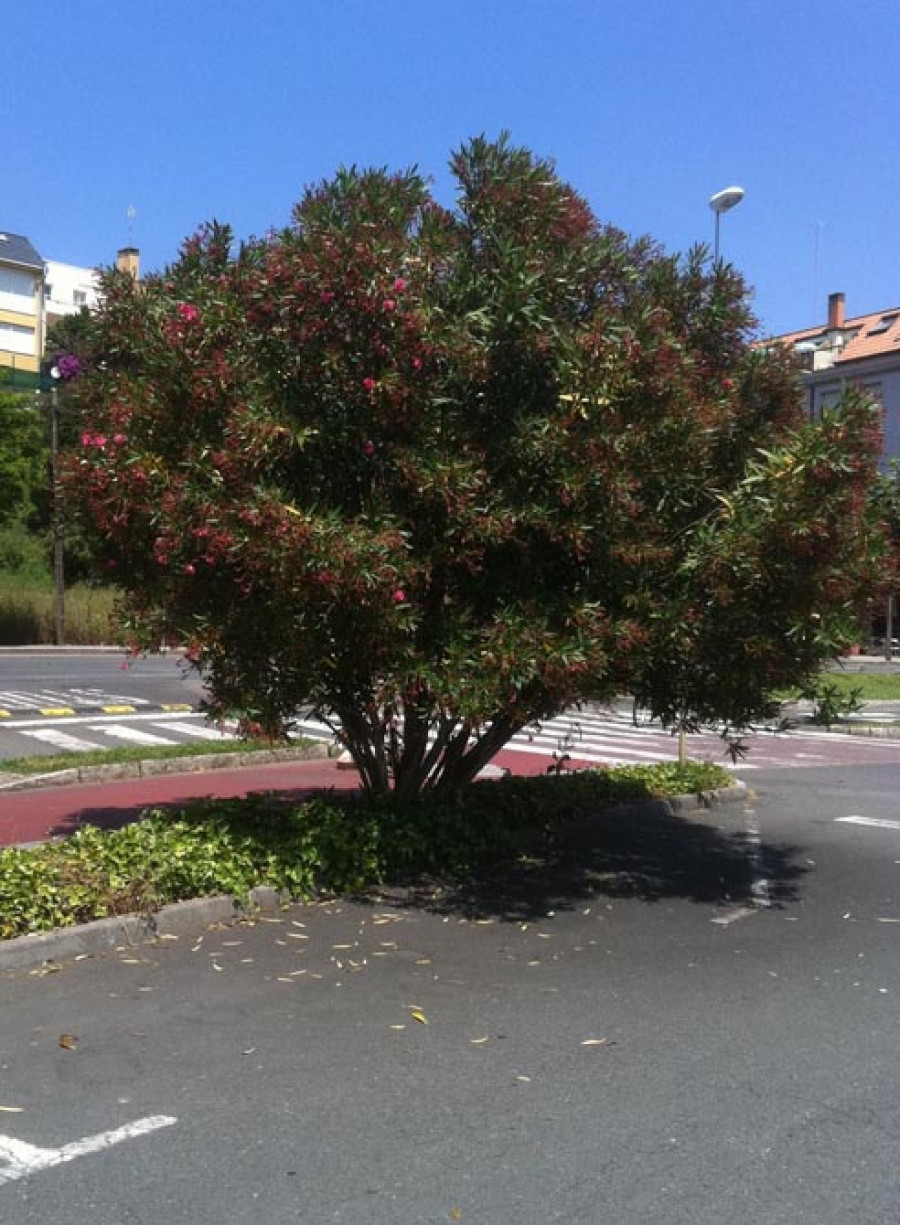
x=60 y=740
x=118 y=710
x=54 y=712
x=131 y=735
x=874 y=822
x=18 y=1159
x=760 y=888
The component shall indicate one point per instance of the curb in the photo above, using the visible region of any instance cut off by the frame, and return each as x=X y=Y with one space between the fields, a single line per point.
x=192 y=917
x=126 y=931
x=151 y=768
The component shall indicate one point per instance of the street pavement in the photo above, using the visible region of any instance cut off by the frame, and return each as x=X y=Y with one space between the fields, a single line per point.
x=684 y=1021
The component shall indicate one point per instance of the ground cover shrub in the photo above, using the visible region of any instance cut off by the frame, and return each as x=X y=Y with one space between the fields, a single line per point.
x=326 y=844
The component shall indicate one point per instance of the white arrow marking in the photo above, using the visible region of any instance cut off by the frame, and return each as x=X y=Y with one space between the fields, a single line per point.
x=21 y=1159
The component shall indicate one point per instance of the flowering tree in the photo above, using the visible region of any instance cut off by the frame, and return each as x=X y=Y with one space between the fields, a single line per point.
x=440 y=473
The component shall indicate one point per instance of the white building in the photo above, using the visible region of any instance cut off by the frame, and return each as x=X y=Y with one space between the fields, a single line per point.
x=67 y=288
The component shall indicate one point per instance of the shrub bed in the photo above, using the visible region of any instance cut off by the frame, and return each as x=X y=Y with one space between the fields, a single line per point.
x=327 y=844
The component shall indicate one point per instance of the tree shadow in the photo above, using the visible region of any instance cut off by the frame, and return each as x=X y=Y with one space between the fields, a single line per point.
x=652 y=856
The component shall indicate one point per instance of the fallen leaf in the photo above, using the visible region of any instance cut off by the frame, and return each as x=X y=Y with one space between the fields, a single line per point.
x=598 y=1042
x=11 y=1109
x=526 y=1079
x=456 y=1214
x=216 y=966
x=397 y=1027
x=68 y=1042
x=423 y=961
x=479 y=1041
x=418 y=1015
x=889 y=920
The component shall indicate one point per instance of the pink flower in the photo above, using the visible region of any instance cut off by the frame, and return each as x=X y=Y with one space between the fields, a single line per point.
x=399 y=596
x=87 y=440
x=190 y=569
x=100 y=440
x=399 y=285
x=369 y=449
x=388 y=304
x=119 y=439
x=417 y=363
x=327 y=296
x=188 y=312
x=369 y=383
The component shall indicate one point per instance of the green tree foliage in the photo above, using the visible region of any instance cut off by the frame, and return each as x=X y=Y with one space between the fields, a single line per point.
x=23 y=456
x=440 y=473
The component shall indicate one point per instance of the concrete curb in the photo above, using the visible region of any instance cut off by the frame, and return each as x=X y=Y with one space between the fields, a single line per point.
x=127 y=931
x=197 y=764
x=190 y=918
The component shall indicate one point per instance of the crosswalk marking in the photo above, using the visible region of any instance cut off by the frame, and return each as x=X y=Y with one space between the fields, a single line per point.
x=132 y=735
x=592 y=736
x=197 y=731
x=62 y=740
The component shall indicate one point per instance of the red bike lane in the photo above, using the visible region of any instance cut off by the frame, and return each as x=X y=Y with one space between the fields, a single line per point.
x=47 y=812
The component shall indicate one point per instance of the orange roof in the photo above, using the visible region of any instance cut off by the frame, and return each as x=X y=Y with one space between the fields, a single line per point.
x=864 y=336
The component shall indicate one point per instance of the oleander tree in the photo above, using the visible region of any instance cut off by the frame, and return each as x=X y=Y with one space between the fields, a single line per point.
x=438 y=473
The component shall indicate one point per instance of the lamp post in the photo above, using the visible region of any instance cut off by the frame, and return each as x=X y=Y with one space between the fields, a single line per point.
x=58 y=573
x=720 y=203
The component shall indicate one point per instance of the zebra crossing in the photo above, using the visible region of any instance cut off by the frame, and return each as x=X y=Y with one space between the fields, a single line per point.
x=594 y=735
x=600 y=735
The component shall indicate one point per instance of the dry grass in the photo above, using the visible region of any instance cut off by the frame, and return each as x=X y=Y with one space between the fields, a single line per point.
x=28 y=614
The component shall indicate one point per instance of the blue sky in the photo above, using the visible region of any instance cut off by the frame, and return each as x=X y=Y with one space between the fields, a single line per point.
x=225 y=109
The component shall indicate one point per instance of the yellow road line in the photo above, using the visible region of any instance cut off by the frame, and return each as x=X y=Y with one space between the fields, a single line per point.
x=58 y=710
x=118 y=710
x=175 y=706
x=5 y=714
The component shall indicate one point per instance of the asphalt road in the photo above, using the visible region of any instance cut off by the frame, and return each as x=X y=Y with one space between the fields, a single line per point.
x=38 y=677
x=680 y=1023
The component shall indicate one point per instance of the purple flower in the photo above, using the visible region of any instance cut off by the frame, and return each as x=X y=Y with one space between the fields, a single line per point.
x=69 y=366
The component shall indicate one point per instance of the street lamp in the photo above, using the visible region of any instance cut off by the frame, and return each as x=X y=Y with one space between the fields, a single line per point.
x=721 y=202
x=58 y=575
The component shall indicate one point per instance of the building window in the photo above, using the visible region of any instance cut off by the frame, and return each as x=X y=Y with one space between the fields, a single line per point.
x=18 y=283
x=79 y=297
x=16 y=339
x=884 y=324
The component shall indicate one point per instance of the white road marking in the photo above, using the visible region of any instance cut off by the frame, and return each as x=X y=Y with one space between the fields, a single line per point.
x=62 y=740
x=760 y=889
x=20 y=1159
x=131 y=735
x=741 y=912
x=197 y=733
x=72 y=720
x=874 y=822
